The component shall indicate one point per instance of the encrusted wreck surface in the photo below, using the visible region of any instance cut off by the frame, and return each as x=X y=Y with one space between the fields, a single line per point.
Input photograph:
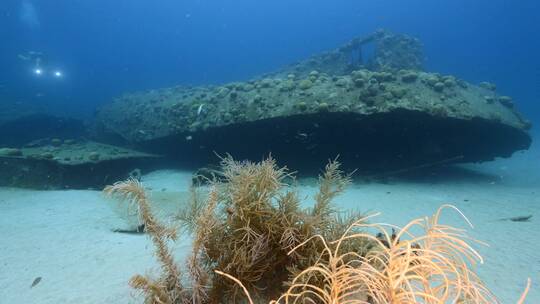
x=57 y=164
x=386 y=117
x=391 y=52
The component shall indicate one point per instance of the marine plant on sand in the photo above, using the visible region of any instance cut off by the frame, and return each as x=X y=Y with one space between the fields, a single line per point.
x=248 y=223
x=254 y=219
x=435 y=266
x=168 y=288
x=251 y=229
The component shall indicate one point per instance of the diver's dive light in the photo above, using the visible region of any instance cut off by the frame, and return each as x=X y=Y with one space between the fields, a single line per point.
x=54 y=73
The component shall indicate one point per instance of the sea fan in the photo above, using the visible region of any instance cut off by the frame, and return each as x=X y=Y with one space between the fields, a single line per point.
x=433 y=267
x=167 y=289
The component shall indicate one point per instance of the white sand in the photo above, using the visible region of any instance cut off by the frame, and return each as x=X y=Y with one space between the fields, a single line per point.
x=65 y=236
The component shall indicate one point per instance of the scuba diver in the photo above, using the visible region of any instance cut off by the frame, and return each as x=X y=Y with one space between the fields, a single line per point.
x=39 y=64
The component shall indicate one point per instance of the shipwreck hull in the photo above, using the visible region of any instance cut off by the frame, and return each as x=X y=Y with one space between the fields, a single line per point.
x=391 y=117
x=380 y=142
x=71 y=165
x=384 y=125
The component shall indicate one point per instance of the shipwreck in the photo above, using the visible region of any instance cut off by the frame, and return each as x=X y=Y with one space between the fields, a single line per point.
x=377 y=112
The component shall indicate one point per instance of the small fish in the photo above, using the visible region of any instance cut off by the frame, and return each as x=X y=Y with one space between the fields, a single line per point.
x=139 y=230
x=36 y=281
x=199 y=110
x=524 y=218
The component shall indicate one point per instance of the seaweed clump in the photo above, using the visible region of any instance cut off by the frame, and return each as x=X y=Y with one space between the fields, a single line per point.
x=249 y=221
x=254 y=219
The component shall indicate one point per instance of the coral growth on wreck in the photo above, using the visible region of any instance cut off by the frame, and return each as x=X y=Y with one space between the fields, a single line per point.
x=253 y=241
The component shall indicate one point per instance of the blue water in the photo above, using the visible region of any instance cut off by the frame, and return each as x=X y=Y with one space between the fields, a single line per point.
x=91 y=51
x=105 y=48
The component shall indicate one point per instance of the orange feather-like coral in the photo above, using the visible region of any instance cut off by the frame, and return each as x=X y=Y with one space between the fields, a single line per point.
x=434 y=267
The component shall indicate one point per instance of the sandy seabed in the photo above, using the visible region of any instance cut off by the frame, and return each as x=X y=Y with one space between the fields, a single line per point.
x=66 y=238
